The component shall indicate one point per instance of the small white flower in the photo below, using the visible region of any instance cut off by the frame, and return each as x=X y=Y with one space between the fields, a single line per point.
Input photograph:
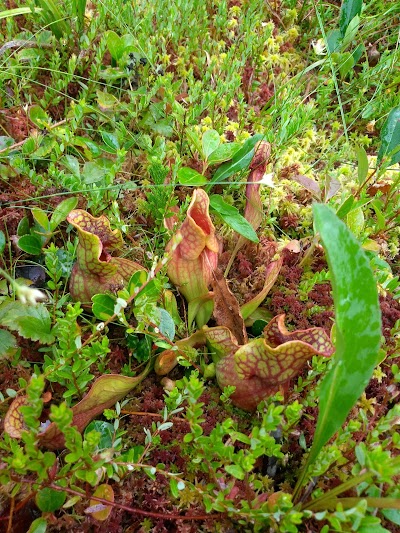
x=28 y=295
x=267 y=180
x=319 y=47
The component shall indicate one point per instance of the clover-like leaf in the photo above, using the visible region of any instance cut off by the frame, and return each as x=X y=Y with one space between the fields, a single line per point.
x=96 y=270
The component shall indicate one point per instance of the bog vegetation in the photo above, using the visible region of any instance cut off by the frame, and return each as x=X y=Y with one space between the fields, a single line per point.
x=199 y=272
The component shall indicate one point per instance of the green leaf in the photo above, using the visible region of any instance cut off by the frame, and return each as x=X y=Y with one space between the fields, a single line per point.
x=224 y=152
x=2 y=242
x=349 y=9
x=49 y=500
x=39 y=117
x=41 y=219
x=210 y=142
x=94 y=171
x=106 y=431
x=235 y=471
x=346 y=63
x=173 y=485
x=362 y=161
x=18 y=11
x=7 y=342
x=23 y=227
x=240 y=161
x=115 y=45
x=31 y=322
x=390 y=137
x=189 y=176
x=355 y=221
x=38 y=526
x=31 y=244
x=103 y=306
x=110 y=141
x=345 y=207
x=358 y=326
x=166 y=324
x=231 y=216
x=61 y=212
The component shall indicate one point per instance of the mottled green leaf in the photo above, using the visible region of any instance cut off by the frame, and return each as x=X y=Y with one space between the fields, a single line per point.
x=358 y=325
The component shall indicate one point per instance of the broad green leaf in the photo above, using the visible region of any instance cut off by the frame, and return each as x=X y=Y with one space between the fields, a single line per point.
x=7 y=342
x=38 y=526
x=235 y=471
x=110 y=141
x=362 y=161
x=38 y=116
x=31 y=322
x=355 y=221
x=166 y=324
x=94 y=171
x=72 y=164
x=346 y=63
x=49 y=500
x=390 y=138
x=358 y=326
x=189 y=176
x=106 y=431
x=115 y=45
x=103 y=306
x=240 y=161
x=210 y=142
x=349 y=9
x=41 y=219
x=31 y=244
x=231 y=216
x=2 y=242
x=224 y=152
x=23 y=227
x=61 y=212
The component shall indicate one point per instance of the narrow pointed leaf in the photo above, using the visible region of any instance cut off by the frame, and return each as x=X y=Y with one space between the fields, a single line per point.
x=358 y=325
x=390 y=138
x=231 y=216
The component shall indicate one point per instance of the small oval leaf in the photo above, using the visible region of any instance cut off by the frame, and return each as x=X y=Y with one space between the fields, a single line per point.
x=106 y=492
x=189 y=176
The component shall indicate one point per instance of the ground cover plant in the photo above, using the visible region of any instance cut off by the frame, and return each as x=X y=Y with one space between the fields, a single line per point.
x=199 y=276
